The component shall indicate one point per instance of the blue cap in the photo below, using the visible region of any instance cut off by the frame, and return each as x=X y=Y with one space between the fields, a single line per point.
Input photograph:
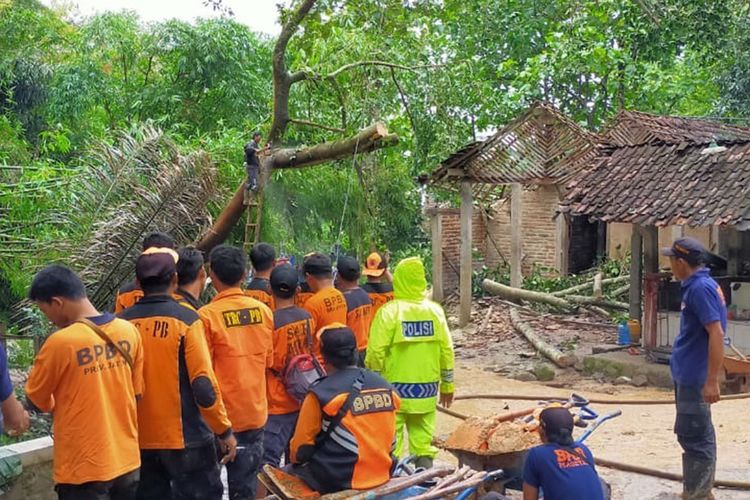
x=688 y=249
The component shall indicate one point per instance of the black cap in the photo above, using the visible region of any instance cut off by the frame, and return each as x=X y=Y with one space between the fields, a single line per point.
x=156 y=264
x=318 y=264
x=689 y=249
x=337 y=343
x=553 y=420
x=284 y=281
x=348 y=268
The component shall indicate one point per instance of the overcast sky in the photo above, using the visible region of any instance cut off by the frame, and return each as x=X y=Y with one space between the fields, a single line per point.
x=260 y=15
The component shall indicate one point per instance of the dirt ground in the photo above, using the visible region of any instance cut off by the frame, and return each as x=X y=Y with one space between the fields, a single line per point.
x=641 y=436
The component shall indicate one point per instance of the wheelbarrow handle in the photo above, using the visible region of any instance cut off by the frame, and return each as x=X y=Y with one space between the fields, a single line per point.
x=587 y=413
x=599 y=421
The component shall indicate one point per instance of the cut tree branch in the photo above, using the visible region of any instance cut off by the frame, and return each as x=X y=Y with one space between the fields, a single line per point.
x=369 y=139
x=308 y=123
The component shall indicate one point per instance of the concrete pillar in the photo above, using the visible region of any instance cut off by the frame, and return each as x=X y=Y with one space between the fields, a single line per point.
x=636 y=273
x=437 y=256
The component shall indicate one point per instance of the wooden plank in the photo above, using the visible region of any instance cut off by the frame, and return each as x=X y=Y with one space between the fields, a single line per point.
x=516 y=235
x=466 y=261
x=437 y=257
x=636 y=273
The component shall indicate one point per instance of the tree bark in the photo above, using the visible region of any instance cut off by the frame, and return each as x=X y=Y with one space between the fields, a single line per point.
x=554 y=354
x=517 y=294
x=589 y=284
x=593 y=301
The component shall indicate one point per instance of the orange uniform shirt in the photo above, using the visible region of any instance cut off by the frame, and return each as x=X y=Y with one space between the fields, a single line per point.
x=182 y=406
x=359 y=315
x=239 y=331
x=380 y=294
x=92 y=392
x=326 y=306
x=291 y=327
x=359 y=452
x=260 y=289
x=127 y=296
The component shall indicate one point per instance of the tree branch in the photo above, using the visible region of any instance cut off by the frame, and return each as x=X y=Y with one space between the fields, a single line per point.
x=308 y=123
x=282 y=80
x=374 y=137
x=357 y=64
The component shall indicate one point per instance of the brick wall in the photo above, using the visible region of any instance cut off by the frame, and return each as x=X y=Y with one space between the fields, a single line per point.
x=450 y=220
x=539 y=229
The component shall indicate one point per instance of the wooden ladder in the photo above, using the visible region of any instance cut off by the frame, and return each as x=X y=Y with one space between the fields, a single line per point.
x=254 y=204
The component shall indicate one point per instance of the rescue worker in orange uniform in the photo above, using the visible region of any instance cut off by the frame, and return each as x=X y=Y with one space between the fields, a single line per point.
x=358 y=304
x=181 y=412
x=263 y=258
x=191 y=277
x=239 y=330
x=327 y=305
x=91 y=389
x=346 y=430
x=379 y=284
x=292 y=336
x=131 y=292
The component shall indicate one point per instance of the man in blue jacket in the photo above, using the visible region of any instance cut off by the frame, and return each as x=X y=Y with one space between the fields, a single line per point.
x=697 y=358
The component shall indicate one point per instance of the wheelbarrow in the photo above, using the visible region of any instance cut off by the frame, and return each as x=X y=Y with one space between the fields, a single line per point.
x=737 y=372
x=512 y=463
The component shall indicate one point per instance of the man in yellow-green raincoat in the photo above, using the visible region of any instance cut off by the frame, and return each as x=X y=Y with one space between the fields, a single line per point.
x=411 y=347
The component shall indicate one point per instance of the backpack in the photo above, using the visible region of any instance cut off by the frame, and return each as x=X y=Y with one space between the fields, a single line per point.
x=301 y=371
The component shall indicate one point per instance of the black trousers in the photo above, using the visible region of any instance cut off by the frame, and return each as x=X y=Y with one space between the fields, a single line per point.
x=120 y=488
x=693 y=425
x=188 y=474
x=242 y=473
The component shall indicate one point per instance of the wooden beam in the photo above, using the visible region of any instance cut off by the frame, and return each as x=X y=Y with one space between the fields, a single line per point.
x=516 y=235
x=437 y=257
x=466 y=261
x=733 y=251
x=650 y=249
x=636 y=273
x=562 y=244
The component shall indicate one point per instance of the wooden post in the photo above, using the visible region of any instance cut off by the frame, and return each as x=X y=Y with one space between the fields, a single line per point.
x=733 y=251
x=562 y=244
x=650 y=250
x=437 y=256
x=516 y=235
x=636 y=270
x=466 y=261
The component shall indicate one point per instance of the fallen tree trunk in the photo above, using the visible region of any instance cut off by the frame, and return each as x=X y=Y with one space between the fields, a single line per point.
x=593 y=301
x=621 y=291
x=589 y=285
x=510 y=293
x=554 y=354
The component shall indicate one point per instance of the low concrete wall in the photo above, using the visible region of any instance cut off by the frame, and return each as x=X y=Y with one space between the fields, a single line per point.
x=35 y=483
x=615 y=364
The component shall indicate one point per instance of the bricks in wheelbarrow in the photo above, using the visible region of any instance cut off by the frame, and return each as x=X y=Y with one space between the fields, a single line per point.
x=483 y=435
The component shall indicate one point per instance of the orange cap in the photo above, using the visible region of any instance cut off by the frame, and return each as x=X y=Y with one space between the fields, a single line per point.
x=375 y=265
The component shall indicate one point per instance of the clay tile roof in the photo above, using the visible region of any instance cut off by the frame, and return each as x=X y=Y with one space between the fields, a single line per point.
x=662 y=171
x=540 y=146
x=634 y=128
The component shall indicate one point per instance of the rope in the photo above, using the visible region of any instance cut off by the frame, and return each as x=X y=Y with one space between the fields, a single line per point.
x=346 y=201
